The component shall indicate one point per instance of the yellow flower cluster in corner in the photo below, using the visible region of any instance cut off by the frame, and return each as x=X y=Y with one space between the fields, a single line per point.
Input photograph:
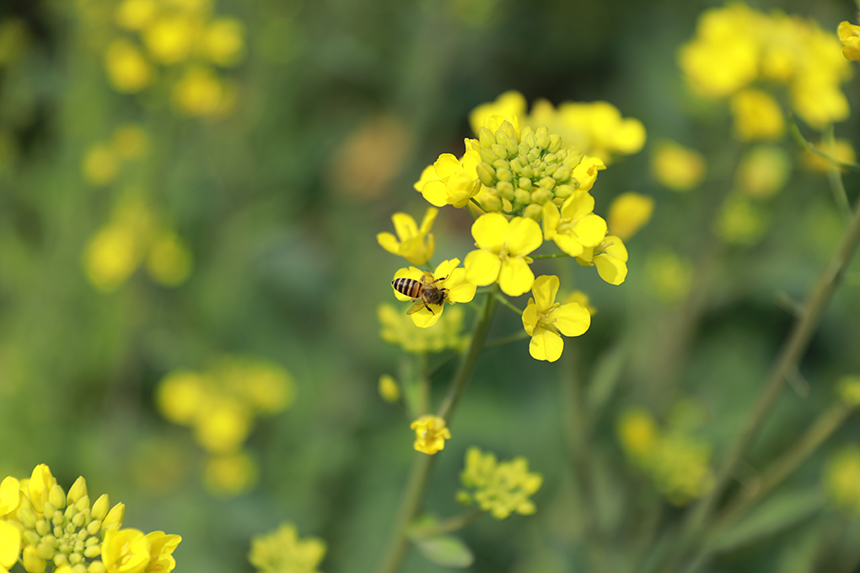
x=220 y=405
x=133 y=237
x=281 y=551
x=169 y=33
x=41 y=524
x=736 y=46
x=102 y=162
x=501 y=488
x=676 y=462
x=398 y=328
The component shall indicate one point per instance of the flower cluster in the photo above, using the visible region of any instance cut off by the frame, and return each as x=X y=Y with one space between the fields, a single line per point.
x=102 y=162
x=135 y=236
x=736 y=46
x=398 y=328
x=281 y=551
x=499 y=488
x=41 y=525
x=676 y=462
x=173 y=33
x=220 y=404
x=849 y=35
x=430 y=434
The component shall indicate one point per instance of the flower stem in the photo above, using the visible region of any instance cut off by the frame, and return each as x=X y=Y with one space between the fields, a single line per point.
x=789 y=357
x=416 y=486
x=555 y=256
x=507 y=303
x=450 y=525
x=501 y=341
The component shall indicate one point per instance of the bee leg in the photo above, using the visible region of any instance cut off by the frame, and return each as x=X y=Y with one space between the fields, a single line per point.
x=428 y=308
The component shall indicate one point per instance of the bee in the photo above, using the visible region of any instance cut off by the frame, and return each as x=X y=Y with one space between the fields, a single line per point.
x=424 y=291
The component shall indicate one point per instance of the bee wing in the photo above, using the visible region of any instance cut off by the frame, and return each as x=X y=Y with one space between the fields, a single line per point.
x=429 y=278
x=415 y=308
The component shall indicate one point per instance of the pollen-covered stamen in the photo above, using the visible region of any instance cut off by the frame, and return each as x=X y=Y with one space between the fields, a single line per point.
x=545 y=318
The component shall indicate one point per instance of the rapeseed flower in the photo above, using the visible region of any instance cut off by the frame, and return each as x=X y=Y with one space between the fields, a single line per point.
x=136 y=14
x=389 y=390
x=740 y=222
x=451 y=181
x=282 y=551
x=849 y=35
x=676 y=167
x=546 y=320
x=757 y=115
x=10 y=545
x=446 y=276
x=169 y=38
x=230 y=474
x=199 y=93
x=127 y=69
x=499 y=488
x=839 y=149
x=430 y=434
x=223 y=41
x=503 y=252
x=628 y=213
x=573 y=227
x=763 y=171
x=416 y=244
x=610 y=258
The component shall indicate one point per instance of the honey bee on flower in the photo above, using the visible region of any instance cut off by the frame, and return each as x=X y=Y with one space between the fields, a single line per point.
x=447 y=284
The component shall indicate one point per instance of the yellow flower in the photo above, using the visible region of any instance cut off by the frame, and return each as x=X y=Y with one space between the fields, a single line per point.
x=670 y=276
x=840 y=149
x=637 y=432
x=582 y=299
x=416 y=244
x=628 y=213
x=610 y=258
x=842 y=479
x=848 y=389
x=10 y=495
x=169 y=260
x=757 y=115
x=223 y=425
x=198 y=93
x=763 y=171
x=818 y=100
x=111 y=256
x=510 y=104
x=127 y=69
x=446 y=276
x=388 y=388
x=169 y=38
x=10 y=545
x=849 y=35
x=229 y=475
x=503 y=252
x=125 y=551
x=574 y=227
x=39 y=486
x=451 y=181
x=546 y=320
x=500 y=488
x=180 y=396
x=398 y=328
x=430 y=434
x=282 y=551
x=136 y=14
x=740 y=222
x=224 y=41
x=100 y=165
x=676 y=167
x=161 y=548
x=597 y=128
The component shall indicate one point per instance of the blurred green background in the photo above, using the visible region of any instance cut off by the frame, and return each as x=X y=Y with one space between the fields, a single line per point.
x=268 y=183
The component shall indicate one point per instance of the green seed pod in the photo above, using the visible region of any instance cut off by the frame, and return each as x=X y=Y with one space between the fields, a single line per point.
x=533 y=212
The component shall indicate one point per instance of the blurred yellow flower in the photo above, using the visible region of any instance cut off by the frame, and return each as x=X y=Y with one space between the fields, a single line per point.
x=508 y=105
x=628 y=213
x=111 y=257
x=169 y=38
x=849 y=35
x=842 y=479
x=446 y=276
x=430 y=434
x=848 y=388
x=840 y=149
x=264 y=386
x=546 y=320
x=169 y=260
x=136 y=14
x=223 y=41
x=229 y=475
x=180 y=396
x=415 y=244
x=198 y=93
x=127 y=69
x=637 y=432
x=499 y=488
x=503 y=253
x=223 y=424
x=610 y=258
x=389 y=389
x=100 y=165
x=282 y=551
x=740 y=222
x=129 y=141
x=399 y=328
x=14 y=37
x=581 y=299
x=676 y=167
x=763 y=171
x=670 y=276
x=757 y=115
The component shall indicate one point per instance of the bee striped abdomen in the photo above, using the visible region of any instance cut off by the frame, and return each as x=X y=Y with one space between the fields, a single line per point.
x=407 y=287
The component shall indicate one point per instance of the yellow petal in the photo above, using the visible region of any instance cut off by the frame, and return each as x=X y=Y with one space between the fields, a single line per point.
x=445 y=267
x=459 y=288
x=530 y=318
x=490 y=231
x=404 y=226
x=436 y=193
x=628 y=213
x=568 y=244
x=388 y=242
x=10 y=544
x=572 y=319
x=424 y=318
x=523 y=236
x=610 y=269
x=551 y=218
x=447 y=165
x=546 y=345
x=577 y=205
x=482 y=267
x=591 y=230
x=516 y=277
x=429 y=174
x=427 y=221
x=544 y=289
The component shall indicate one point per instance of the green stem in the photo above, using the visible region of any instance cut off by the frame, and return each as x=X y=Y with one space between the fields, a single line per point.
x=507 y=303
x=449 y=525
x=802 y=142
x=789 y=357
x=555 y=256
x=521 y=335
x=416 y=486
x=835 y=179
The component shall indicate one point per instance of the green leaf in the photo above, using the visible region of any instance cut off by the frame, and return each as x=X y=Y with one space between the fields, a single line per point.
x=446 y=550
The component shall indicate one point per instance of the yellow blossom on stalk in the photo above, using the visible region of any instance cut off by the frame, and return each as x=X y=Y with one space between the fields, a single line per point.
x=229 y=475
x=573 y=227
x=499 y=488
x=127 y=69
x=676 y=167
x=136 y=14
x=430 y=434
x=842 y=479
x=510 y=104
x=125 y=551
x=671 y=277
x=740 y=222
x=840 y=149
x=111 y=256
x=169 y=38
x=223 y=41
x=388 y=388
x=628 y=213
x=610 y=258
x=224 y=426
x=757 y=115
x=398 y=328
x=10 y=545
x=503 y=252
x=849 y=390
x=849 y=35
x=446 y=276
x=282 y=551
x=546 y=320
x=416 y=244
x=763 y=171
x=161 y=548
x=199 y=92
x=451 y=181
x=819 y=101
x=180 y=395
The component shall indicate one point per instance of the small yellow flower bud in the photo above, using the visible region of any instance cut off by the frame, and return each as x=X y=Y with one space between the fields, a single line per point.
x=96 y=567
x=83 y=504
x=114 y=516
x=486 y=174
x=79 y=568
x=388 y=388
x=540 y=197
x=60 y=560
x=45 y=551
x=75 y=558
x=100 y=507
x=26 y=516
x=30 y=537
x=522 y=197
x=94 y=526
x=533 y=211
x=32 y=562
x=93 y=551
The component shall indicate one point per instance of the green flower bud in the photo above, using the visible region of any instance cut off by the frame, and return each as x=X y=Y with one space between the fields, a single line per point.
x=30 y=537
x=58 y=518
x=56 y=497
x=512 y=146
x=504 y=174
x=547 y=182
x=96 y=567
x=505 y=190
x=78 y=520
x=486 y=138
x=79 y=568
x=491 y=203
x=94 y=526
x=487 y=155
x=533 y=211
x=26 y=516
x=79 y=546
x=100 y=507
x=554 y=143
x=486 y=174
x=70 y=512
x=573 y=159
x=543 y=140
x=521 y=197
x=524 y=183
x=564 y=191
x=93 y=551
x=500 y=151
x=49 y=509
x=83 y=504
x=562 y=173
x=58 y=531
x=42 y=527
x=75 y=558
x=32 y=562
x=541 y=196
x=60 y=560
x=45 y=551
x=528 y=137
x=463 y=498
x=77 y=491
